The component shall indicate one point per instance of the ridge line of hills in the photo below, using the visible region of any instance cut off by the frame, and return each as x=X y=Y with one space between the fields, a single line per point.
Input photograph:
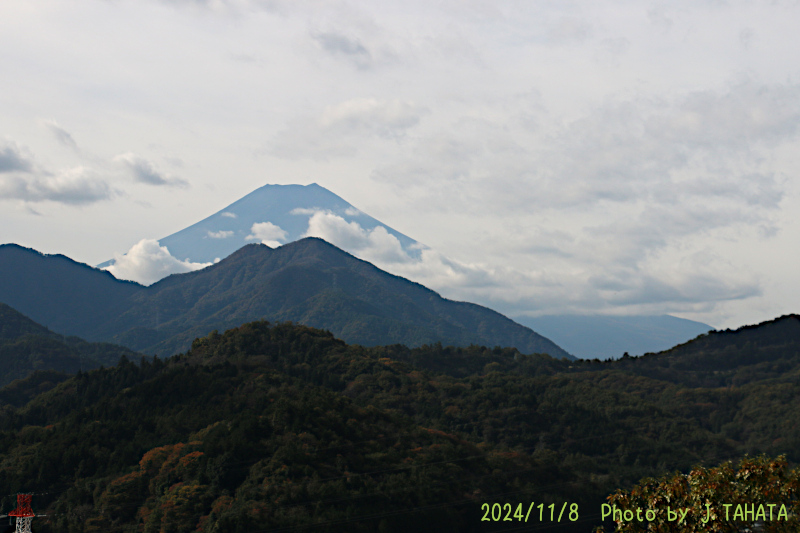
x=308 y=281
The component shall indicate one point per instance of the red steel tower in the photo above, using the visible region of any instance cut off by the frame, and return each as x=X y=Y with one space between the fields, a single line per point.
x=23 y=513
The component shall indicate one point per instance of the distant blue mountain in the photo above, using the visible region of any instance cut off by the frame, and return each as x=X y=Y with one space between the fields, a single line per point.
x=286 y=206
x=590 y=336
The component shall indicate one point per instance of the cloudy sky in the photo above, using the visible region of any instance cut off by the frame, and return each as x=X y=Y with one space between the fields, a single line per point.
x=558 y=157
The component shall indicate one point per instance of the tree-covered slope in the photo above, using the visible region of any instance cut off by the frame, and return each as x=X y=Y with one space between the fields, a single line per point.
x=748 y=354
x=250 y=431
x=284 y=427
x=26 y=347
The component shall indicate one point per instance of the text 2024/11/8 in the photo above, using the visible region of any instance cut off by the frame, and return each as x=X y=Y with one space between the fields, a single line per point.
x=506 y=512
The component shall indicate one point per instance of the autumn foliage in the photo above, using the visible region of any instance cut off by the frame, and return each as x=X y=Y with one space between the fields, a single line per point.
x=727 y=498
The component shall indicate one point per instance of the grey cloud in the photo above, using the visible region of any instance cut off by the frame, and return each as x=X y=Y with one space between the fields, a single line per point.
x=74 y=187
x=61 y=135
x=22 y=179
x=634 y=289
x=646 y=178
x=703 y=145
x=633 y=240
x=340 y=45
x=367 y=116
x=756 y=189
x=746 y=116
x=12 y=159
x=699 y=148
x=439 y=161
x=144 y=172
x=660 y=16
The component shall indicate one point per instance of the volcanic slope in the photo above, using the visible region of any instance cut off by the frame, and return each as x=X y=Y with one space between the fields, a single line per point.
x=286 y=208
x=308 y=281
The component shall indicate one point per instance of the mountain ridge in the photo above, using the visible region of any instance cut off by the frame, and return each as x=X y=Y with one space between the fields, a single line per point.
x=84 y=293
x=277 y=214
x=307 y=281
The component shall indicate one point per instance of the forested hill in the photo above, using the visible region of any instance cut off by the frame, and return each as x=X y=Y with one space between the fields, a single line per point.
x=26 y=346
x=284 y=427
x=307 y=281
x=727 y=358
x=14 y=324
x=253 y=430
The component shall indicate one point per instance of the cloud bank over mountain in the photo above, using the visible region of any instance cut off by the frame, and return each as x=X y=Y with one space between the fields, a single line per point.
x=147 y=262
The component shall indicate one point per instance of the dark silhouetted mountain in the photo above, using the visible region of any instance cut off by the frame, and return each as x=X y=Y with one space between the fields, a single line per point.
x=307 y=281
x=596 y=336
x=314 y=283
x=57 y=292
x=26 y=347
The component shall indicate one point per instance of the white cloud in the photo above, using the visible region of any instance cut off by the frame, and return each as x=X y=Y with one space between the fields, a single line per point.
x=383 y=249
x=228 y=214
x=373 y=245
x=147 y=262
x=268 y=233
x=304 y=210
x=222 y=234
x=22 y=179
x=143 y=171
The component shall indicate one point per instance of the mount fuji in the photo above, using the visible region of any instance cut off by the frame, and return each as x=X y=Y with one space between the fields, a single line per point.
x=276 y=215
